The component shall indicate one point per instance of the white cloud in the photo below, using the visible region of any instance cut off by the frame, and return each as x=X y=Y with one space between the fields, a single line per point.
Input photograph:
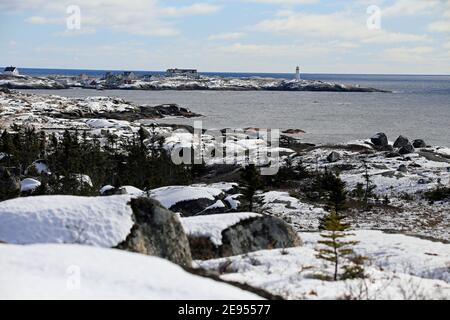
x=141 y=17
x=332 y=26
x=411 y=7
x=440 y=26
x=194 y=9
x=227 y=36
x=406 y=54
x=37 y=20
x=284 y=1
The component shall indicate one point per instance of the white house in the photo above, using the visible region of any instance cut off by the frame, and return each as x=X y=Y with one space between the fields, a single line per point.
x=11 y=71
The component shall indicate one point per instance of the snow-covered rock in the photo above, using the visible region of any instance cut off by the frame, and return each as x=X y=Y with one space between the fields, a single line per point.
x=81 y=272
x=29 y=185
x=39 y=167
x=98 y=221
x=212 y=226
x=188 y=200
x=228 y=234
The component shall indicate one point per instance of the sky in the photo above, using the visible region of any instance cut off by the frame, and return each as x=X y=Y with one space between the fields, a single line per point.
x=322 y=36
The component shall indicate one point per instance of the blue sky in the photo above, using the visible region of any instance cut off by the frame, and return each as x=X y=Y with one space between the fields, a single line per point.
x=412 y=36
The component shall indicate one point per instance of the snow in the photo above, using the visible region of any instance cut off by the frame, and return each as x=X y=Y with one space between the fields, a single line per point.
x=40 y=166
x=101 y=123
x=106 y=188
x=29 y=184
x=133 y=191
x=233 y=201
x=224 y=186
x=301 y=216
x=82 y=272
x=97 y=221
x=211 y=226
x=217 y=205
x=170 y=196
x=443 y=151
x=401 y=267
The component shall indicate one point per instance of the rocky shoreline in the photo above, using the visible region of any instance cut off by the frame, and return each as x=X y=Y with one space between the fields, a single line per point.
x=178 y=83
x=50 y=111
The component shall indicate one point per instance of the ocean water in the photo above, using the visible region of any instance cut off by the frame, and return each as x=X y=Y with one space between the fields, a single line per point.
x=418 y=107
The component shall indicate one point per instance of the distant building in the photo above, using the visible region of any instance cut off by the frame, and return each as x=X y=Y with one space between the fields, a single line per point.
x=297 y=73
x=11 y=71
x=128 y=77
x=182 y=72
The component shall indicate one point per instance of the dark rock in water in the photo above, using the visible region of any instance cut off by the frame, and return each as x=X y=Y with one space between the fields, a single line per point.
x=260 y=233
x=401 y=142
x=406 y=149
x=293 y=131
x=380 y=140
x=157 y=232
x=402 y=168
x=334 y=157
x=9 y=185
x=393 y=155
x=419 y=143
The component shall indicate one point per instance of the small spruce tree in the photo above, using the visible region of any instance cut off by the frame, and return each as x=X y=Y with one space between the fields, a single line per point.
x=334 y=248
x=369 y=186
x=250 y=183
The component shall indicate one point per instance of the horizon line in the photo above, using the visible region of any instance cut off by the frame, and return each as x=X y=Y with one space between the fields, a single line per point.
x=242 y=72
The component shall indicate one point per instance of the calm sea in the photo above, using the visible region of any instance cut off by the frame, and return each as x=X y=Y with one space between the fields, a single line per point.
x=418 y=107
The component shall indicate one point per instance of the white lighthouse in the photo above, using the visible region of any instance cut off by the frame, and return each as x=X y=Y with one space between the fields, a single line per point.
x=297 y=73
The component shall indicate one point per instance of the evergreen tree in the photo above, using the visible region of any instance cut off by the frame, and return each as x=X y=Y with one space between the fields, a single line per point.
x=250 y=183
x=369 y=186
x=334 y=248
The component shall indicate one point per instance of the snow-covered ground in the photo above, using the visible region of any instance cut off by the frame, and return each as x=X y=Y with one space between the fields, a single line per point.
x=97 y=221
x=400 y=267
x=82 y=272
